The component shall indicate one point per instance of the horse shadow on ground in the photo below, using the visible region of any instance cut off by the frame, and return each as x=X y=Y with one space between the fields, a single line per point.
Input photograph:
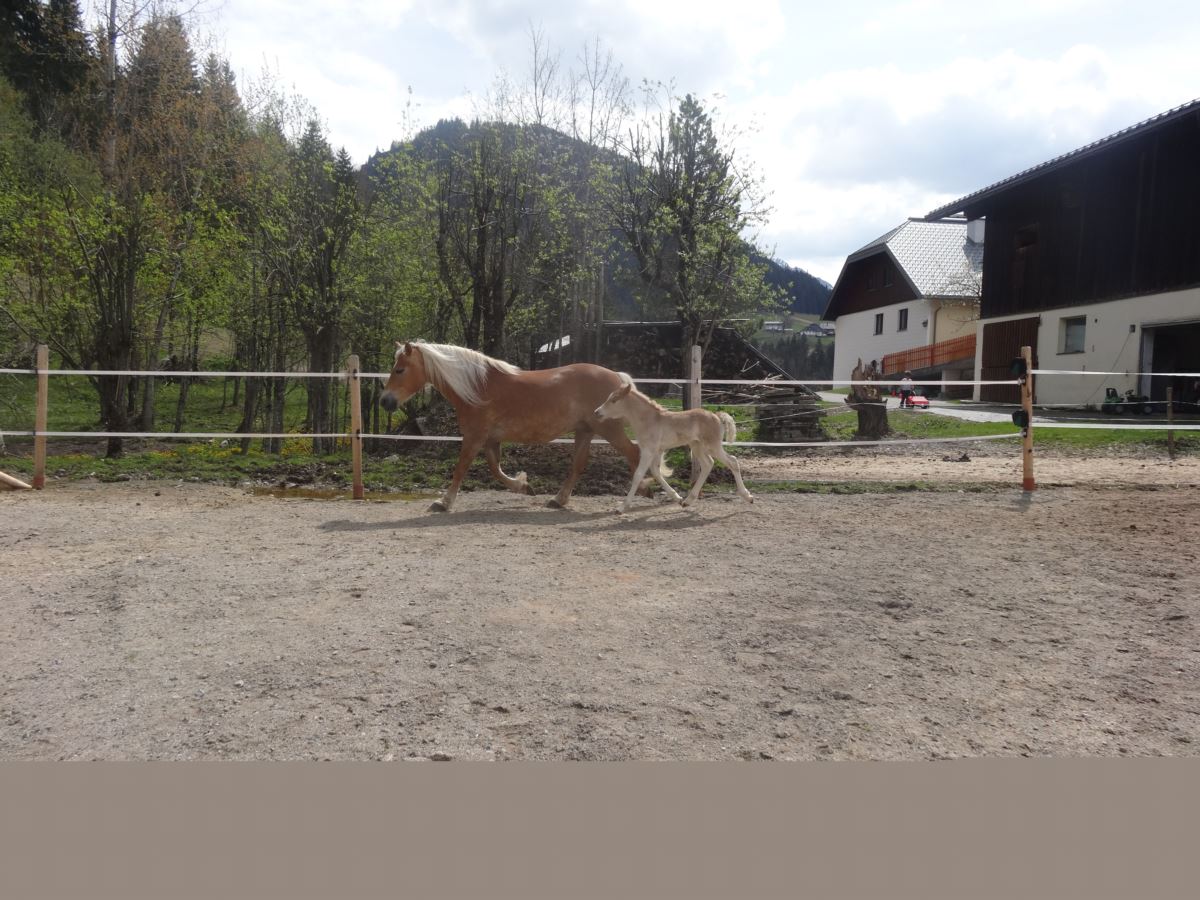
x=647 y=519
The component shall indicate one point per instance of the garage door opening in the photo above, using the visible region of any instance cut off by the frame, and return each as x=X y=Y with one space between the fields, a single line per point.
x=1172 y=348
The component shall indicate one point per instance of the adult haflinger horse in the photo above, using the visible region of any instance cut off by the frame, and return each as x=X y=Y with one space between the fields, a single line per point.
x=658 y=430
x=496 y=401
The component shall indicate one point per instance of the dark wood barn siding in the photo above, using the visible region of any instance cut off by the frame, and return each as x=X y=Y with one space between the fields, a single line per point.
x=1121 y=223
x=861 y=287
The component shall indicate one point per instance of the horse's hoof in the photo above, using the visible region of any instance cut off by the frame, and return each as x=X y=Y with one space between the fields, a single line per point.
x=524 y=487
x=553 y=503
x=438 y=506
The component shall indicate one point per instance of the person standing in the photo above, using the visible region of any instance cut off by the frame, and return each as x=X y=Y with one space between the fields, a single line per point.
x=906 y=389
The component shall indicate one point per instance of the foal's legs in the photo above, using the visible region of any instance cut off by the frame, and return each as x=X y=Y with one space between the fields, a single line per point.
x=518 y=484
x=656 y=471
x=648 y=456
x=613 y=431
x=702 y=454
x=731 y=461
x=470 y=449
x=583 y=445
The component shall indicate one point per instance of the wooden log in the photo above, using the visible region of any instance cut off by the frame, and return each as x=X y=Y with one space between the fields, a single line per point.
x=1027 y=482
x=39 y=427
x=13 y=484
x=1170 y=421
x=692 y=398
x=356 y=425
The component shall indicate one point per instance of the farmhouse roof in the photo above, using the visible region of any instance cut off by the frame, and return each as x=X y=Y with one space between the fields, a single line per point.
x=973 y=199
x=936 y=257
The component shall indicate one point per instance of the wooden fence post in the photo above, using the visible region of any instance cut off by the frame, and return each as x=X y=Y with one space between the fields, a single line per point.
x=39 y=425
x=692 y=401
x=1170 y=421
x=355 y=426
x=1027 y=482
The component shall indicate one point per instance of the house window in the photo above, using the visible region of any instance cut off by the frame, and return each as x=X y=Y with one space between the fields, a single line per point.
x=1071 y=334
x=887 y=273
x=902 y=323
x=879 y=323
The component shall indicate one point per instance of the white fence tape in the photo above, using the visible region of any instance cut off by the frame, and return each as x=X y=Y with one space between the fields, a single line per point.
x=1132 y=374
x=207 y=435
x=151 y=373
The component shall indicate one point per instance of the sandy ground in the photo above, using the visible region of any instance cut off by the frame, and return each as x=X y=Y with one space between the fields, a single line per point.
x=152 y=620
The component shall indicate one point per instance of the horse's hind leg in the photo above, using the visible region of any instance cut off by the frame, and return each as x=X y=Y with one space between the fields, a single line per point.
x=579 y=460
x=470 y=449
x=518 y=484
x=731 y=461
x=613 y=431
x=656 y=472
x=700 y=454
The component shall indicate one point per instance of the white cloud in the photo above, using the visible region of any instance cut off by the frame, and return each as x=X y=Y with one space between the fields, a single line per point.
x=859 y=114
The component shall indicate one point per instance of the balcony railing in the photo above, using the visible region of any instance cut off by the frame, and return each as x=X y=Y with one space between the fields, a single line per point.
x=930 y=356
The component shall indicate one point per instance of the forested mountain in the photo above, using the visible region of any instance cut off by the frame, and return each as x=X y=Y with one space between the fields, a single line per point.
x=799 y=291
x=806 y=294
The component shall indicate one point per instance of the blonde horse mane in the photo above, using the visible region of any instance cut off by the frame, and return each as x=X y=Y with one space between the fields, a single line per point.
x=459 y=369
x=628 y=379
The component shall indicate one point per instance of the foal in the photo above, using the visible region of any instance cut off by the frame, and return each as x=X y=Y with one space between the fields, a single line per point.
x=658 y=430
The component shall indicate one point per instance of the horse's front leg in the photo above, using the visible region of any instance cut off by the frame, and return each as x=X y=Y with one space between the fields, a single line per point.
x=579 y=460
x=470 y=449
x=613 y=431
x=700 y=453
x=518 y=484
x=644 y=462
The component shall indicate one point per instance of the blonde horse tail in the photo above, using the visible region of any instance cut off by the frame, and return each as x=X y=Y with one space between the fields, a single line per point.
x=730 y=427
x=666 y=470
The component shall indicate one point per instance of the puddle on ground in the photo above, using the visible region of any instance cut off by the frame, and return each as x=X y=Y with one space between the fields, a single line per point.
x=311 y=493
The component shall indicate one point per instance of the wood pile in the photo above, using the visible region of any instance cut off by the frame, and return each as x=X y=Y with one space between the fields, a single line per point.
x=788 y=415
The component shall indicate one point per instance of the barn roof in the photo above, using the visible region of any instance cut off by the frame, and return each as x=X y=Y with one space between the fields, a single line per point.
x=962 y=203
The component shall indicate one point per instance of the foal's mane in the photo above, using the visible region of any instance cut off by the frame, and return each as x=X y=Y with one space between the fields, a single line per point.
x=627 y=379
x=463 y=371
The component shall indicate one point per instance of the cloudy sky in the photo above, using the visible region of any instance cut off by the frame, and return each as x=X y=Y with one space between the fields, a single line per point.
x=858 y=114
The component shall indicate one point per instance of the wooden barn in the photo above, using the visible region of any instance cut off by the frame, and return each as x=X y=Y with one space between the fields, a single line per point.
x=1093 y=259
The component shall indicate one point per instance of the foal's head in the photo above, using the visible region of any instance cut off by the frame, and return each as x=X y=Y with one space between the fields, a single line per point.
x=407 y=377
x=616 y=406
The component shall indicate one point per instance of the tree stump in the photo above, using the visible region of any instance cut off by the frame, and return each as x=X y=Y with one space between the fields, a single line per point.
x=872 y=419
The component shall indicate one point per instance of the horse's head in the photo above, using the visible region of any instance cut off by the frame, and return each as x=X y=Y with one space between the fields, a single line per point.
x=613 y=407
x=407 y=377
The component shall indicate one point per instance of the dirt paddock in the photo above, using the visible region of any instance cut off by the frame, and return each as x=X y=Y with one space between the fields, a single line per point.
x=155 y=620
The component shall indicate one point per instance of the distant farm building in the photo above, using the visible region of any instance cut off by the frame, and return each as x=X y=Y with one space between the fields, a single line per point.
x=910 y=301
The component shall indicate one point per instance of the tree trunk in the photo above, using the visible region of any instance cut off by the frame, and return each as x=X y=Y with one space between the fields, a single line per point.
x=249 y=410
x=320 y=402
x=872 y=420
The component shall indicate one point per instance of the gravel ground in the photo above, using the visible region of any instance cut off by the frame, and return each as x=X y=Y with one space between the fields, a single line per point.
x=155 y=620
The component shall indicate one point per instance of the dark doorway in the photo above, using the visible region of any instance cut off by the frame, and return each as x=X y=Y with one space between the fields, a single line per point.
x=1174 y=348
